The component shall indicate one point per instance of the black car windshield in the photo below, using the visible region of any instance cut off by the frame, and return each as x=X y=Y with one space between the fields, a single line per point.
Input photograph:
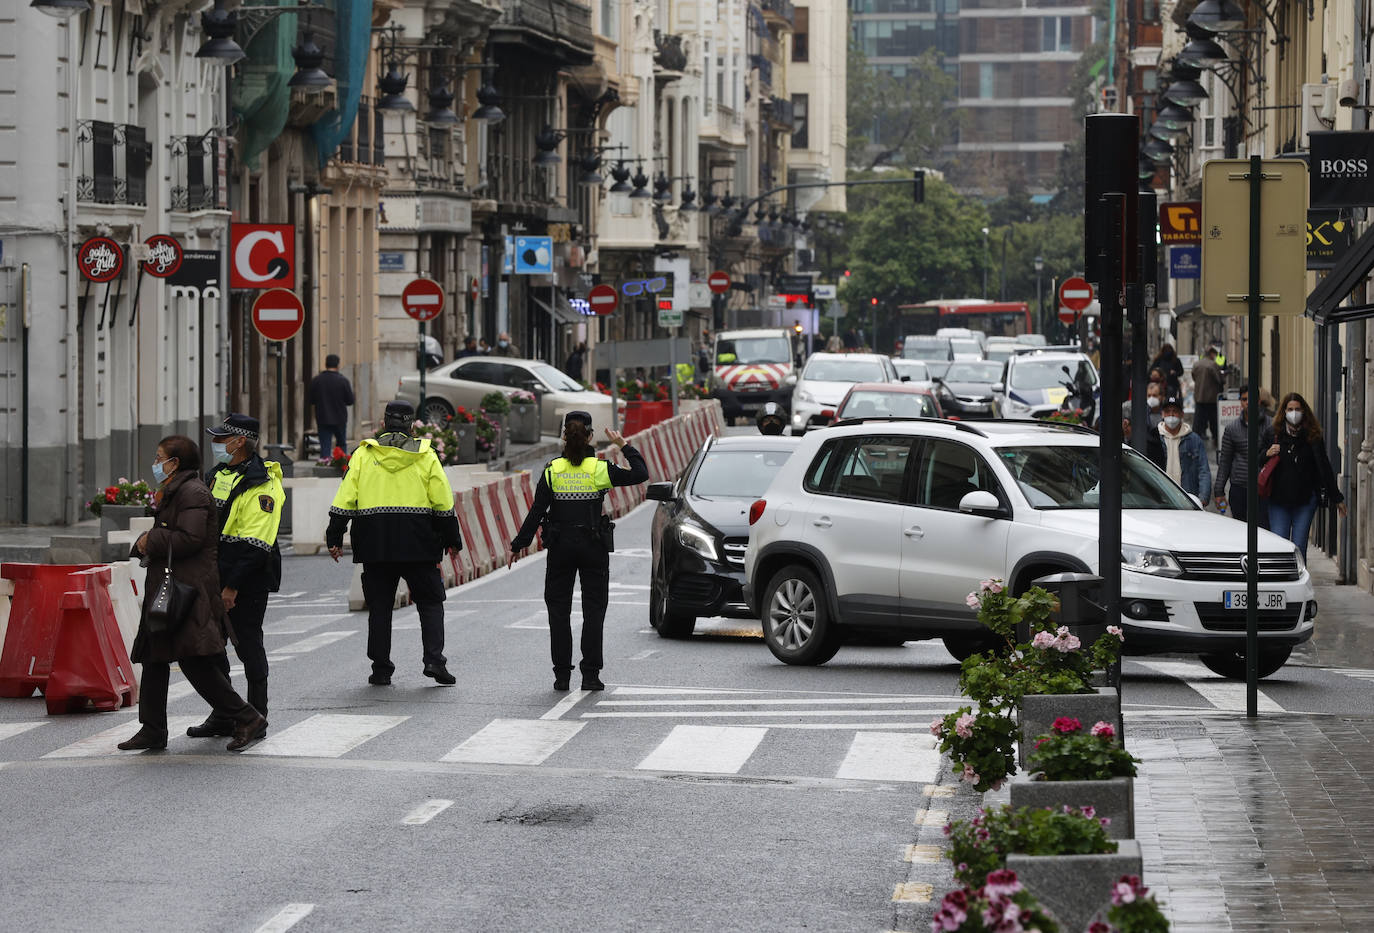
x=1067 y=478
x=840 y=370
x=875 y=404
x=753 y=350
x=973 y=372
x=1049 y=374
x=558 y=381
x=737 y=474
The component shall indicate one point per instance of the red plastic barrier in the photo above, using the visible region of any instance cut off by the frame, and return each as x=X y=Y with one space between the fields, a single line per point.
x=90 y=666
x=35 y=618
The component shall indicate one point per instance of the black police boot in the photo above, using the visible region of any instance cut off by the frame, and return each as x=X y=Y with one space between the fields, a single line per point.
x=562 y=676
x=591 y=681
x=146 y=738
x=380 y=676
x=440 y=674
x=257 y=695
x=214 y=725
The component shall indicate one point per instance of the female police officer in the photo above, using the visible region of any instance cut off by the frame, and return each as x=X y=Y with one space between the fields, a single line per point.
x=567 y=503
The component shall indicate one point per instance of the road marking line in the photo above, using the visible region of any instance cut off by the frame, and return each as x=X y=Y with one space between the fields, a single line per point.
x=939 y=790
x=515 y=742
x=890 y=756
x=643 y=655
x=325 y=735
x=931 y=818
x=286 y=918
x=1221 y=693
x=295 y=595
x=11 y=729
x=734 y=714
x=426 y=812
x=103 y=743
x=313 y=642
x=926 y=855
x=565 y=704
x=840 y=725
x=913 y=892
x=183 y=688
x=668 y=691
x=540 y=621
x=704 y=749
x=299 y=624
x=827 y=701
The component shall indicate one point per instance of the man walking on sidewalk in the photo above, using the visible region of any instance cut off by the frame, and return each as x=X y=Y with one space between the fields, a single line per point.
x=401 y=505
x=249 y=495
x=1207 y=386
x=1234 y=462
x=331 y=393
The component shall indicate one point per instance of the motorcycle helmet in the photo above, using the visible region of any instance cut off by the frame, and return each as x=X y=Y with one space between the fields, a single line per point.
x=771 y=419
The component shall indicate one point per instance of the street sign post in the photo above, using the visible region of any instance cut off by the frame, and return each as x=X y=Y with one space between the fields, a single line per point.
x=719 y=282
x=1075 y=295
x=603 y=299
x=278 y=315
x=422 y=299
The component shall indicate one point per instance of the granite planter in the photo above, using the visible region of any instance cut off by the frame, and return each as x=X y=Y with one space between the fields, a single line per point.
x=466 y=432
x=1074 y=889
x=326 y=471
x=523 y=421
x=117 y=517
x=1113 y=798
x=1038 y=711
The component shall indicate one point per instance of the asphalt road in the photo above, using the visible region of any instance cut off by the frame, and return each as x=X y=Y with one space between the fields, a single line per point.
x=708 y=788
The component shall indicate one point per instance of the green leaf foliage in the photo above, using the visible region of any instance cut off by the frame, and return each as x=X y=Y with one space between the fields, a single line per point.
x=981 y=845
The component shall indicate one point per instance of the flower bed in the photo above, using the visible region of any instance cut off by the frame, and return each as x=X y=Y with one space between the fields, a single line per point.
x=136 y=493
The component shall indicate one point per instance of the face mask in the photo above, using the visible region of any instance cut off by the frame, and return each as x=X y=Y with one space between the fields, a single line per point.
x=1294 y=417
x=159 y=473
x=221 y=452
x=503 y=343
x=1152 y=401
x=1172 y=421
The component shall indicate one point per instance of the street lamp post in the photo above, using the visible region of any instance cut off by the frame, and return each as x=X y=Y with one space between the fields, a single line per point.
x=1002 y=289
x=985 y=263
x=1039 y=295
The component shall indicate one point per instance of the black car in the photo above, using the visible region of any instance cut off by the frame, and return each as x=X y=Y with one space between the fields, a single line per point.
x=701 y=529
x=964 y=388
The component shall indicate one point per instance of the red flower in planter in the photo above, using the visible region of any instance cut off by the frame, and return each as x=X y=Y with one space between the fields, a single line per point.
x=1066 y=725
x=112 y=494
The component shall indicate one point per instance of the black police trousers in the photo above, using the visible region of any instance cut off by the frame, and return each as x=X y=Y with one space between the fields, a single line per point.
x=380 y=579
x=578 y=553
x=246 y=618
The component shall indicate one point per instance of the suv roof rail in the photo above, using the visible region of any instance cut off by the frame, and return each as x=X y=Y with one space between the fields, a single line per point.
x=957 y=425
x=1042 y=422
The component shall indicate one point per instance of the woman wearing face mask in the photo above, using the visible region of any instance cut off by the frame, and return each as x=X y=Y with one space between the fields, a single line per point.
x=1303 y=477
x=185 y=534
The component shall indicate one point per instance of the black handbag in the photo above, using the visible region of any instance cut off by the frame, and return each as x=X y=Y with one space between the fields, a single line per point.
x=169 y=606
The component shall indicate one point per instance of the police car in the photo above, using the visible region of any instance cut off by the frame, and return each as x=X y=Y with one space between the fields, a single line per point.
x=1033 y=380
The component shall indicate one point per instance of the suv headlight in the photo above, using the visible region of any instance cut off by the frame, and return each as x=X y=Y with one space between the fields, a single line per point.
x=1302 y=561
x=695 y=539
x=804 y=396
x=1147 y=560
x=1014 y=407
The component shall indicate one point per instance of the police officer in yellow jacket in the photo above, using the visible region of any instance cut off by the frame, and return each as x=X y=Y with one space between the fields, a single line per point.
x=568 y=503
x=401 y=505
x=249 y=494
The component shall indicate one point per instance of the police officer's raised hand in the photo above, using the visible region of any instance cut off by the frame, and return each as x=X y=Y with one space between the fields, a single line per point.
x=615 y=437
x=336 y=552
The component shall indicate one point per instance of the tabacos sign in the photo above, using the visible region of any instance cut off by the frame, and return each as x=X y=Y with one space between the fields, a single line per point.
x=1340 y=173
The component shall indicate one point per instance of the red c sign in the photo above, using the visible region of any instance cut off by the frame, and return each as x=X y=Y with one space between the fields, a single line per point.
x=262 y=256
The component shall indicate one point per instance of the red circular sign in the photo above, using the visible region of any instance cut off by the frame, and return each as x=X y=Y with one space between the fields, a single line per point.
x=719 y=282
x=603 y=299
x=100 y=259
x=423 y=299
x=164 y=256
x=1075 y=293
x=278 y=314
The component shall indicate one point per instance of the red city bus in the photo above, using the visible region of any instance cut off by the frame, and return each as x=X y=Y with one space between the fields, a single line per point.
x=993 y=318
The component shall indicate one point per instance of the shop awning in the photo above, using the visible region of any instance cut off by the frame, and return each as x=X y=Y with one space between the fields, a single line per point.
x=1323 y=305
x=562 y=312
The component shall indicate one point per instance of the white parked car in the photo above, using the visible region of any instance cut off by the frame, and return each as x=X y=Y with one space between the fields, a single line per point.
x=825 y=380
x=1032 y=385
x=883 y=528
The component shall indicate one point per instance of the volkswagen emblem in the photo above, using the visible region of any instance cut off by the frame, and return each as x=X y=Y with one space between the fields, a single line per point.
x=1245 y=565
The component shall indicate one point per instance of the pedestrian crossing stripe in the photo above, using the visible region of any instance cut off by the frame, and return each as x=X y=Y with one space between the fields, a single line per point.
x=515 y=742
x=325 y=735
x=1355 y=673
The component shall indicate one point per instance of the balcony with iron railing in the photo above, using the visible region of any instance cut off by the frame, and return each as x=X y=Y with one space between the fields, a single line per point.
x=778 y=112
x=365 y=142
x=195 y=174
x=765 y=68
x=564 y=23
x=112 y=162
x=778 y=13
x=669 y=54
x=515 y=179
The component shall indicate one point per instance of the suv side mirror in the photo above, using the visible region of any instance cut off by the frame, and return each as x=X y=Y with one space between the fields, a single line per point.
x=982 y=503
x=998 y=388
x=660 y=492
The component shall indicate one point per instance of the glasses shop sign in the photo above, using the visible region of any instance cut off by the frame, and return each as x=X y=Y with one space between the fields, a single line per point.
x=1342 y=173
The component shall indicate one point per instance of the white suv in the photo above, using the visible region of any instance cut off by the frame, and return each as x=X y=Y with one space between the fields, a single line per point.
x=825 y=380
x=882 y=528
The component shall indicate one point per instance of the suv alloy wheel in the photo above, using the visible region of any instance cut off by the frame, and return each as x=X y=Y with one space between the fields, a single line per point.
x=796 y=619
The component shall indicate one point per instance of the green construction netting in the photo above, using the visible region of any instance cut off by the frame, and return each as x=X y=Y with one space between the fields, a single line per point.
x=261 y=97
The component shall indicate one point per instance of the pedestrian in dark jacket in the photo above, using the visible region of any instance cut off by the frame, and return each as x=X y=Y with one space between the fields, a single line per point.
x=1171 y=367
x=1303 y=478
x=1233 y=472
x=1185 y=454
x=185 y=536
x=331 y=393
x=573 y=367
x=1208 y=384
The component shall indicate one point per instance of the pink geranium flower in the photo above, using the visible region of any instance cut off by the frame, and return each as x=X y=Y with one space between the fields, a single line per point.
x=1065 y=725
x=1002 y=883
x=1104 y=730
x=963 y=726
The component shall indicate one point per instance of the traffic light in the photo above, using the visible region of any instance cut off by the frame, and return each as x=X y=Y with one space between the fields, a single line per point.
x=797 y=327
x=873 y=301
x=847 y=273
x=918 y=187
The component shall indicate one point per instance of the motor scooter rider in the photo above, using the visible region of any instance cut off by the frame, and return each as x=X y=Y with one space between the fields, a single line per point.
x=771 y=419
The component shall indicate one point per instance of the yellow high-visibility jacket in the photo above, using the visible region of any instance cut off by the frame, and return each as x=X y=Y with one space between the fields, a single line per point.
x=250 y=499
x=399 y=502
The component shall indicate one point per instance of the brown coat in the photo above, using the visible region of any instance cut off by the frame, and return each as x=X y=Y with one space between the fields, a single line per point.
x=186 y=525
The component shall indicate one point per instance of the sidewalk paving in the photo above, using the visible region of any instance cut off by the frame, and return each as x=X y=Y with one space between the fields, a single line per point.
x=1266 y=824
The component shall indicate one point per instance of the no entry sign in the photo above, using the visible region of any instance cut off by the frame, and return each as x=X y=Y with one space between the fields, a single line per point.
x=719 y=282
x=278 y=314
x=603 y=299
x=423 y=299
x=1075 y=294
